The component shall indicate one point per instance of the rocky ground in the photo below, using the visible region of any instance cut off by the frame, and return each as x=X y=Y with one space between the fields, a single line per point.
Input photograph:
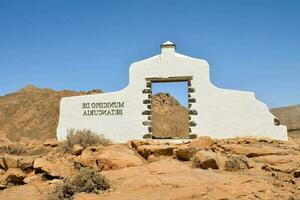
x=147 y=169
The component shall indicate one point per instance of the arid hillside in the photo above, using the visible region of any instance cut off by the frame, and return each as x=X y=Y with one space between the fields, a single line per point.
x=290 y=117
x=32 y=112
x=169 y=118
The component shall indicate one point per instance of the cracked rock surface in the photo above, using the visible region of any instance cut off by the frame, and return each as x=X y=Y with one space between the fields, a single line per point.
x=148 y=169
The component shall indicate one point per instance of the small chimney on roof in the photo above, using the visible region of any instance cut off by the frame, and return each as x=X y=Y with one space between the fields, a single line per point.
x=168 y=48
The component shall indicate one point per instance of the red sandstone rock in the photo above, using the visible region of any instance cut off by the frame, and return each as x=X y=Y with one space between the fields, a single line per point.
x=202 y=142
x=205 y=160
x=157 y=150
x=56 y=169
x=184 y=152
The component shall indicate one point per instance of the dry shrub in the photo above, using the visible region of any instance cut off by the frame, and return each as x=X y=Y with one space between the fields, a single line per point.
x=235 y=163
x=84 y=138
x=88 y=181
x=195 y=162
x=13 y=149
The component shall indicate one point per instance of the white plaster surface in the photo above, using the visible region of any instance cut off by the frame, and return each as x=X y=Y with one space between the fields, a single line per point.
x=222 y=113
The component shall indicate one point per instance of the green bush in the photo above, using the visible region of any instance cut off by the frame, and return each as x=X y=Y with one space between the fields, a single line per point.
x=88 y=180
x=84 y=138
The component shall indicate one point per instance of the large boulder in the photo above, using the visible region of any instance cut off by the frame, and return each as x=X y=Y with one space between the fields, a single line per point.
x=184 y=152
x=113 y=159
x=13 y=161
x=88 y=157
x=60 y=168
x=202 y=142
x=187 y=151
x=205 y=160
x=156 y=150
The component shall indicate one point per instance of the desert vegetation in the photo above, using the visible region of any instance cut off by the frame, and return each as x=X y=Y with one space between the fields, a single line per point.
x=147 y=169
x=83 y=138
x=13 y=149
x=87 y=180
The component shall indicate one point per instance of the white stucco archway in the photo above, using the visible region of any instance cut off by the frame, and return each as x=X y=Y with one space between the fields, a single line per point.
x=214 y=112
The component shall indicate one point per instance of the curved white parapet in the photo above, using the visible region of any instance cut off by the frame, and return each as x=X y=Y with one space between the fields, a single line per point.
x=215 y=112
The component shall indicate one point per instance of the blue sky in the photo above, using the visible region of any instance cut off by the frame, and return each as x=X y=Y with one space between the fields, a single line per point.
x=251 y=45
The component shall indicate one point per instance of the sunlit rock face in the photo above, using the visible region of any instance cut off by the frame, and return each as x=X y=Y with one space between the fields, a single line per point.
x=214 y=112
x=169 y=118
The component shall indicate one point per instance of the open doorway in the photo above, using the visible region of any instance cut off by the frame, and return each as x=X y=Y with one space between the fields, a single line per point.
x=169 y=110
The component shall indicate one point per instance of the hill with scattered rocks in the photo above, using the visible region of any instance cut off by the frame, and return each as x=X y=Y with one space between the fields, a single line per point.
x=32 y=112
x=169 y=118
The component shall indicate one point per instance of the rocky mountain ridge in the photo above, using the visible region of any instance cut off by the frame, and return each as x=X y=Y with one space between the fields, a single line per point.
x=32 y=112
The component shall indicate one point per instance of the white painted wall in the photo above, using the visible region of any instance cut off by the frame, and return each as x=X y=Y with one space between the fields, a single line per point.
x=221 y=113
